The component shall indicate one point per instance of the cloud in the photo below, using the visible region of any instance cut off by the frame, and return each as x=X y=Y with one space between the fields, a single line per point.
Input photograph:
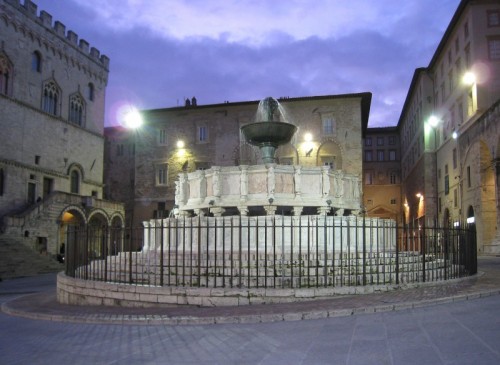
x=164 y=51
x=253 y=21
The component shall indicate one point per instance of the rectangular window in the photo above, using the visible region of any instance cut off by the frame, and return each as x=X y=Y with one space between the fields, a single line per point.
x=392 y=155
x=447 y=184
x=467 y=56
x=161 y=174
x=202 y=134
x=368 y=156
x=450 y=81
x=455 y=198
x=393 y=201
x=494 y=48
x=328 y=126
x=368 y=178
x=392 y=140
x=493 y=18
x=393 y=178
x=162 y=136
x=469 y=183
x=380 y=155
x=446 y=169
x=454 y=158
x=368 y=141
x=380 y=141
x=2 y=182
x=439 y=205
x=119 y=150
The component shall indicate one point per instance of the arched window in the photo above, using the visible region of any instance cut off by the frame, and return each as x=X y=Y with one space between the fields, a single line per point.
x=50 y=98
x=36 y=61
x=5 y=75
x=75 y=182
x=76 y=109
x=90 y=91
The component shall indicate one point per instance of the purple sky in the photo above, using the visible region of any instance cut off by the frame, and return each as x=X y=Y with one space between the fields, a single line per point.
x=163 y=51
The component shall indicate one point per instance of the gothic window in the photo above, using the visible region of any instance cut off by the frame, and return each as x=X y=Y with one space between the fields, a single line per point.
x=76 y=109
x=5 y=75
x=50 y=99
x=75 y=182
x=36 y=61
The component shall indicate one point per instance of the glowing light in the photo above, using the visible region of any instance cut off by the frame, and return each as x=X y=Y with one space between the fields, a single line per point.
x=433 y=121
x=308 y=137
x=454 y=135
x=470 y=220
x=418 y=195
x=133 y=119
x=180 y=144
x=469 y=78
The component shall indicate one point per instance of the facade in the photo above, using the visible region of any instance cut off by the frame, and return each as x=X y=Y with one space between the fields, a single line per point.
x=196 y=137
x=52 y=92
x=449 y=128
x=381 y=173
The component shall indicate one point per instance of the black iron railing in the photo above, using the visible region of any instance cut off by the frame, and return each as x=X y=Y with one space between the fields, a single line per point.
x=271 y=252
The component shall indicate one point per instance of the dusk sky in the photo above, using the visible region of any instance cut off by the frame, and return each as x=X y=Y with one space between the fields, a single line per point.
x=163 y=51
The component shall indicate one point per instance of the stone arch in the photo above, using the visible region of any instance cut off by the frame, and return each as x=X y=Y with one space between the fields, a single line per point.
x=71 y=220
x=99 y=214
x=76 y=166
x=97 y=234
x=330 y=152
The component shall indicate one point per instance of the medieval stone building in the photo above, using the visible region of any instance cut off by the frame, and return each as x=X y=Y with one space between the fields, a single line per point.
x=52 y=91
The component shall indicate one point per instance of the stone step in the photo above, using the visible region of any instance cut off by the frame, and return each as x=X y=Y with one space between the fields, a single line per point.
x=17 y=260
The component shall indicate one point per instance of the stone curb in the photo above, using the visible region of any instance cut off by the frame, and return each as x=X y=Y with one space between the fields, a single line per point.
x=290 y=315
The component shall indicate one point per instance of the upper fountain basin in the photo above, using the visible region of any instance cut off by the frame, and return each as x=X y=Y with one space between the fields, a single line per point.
x=268 y=133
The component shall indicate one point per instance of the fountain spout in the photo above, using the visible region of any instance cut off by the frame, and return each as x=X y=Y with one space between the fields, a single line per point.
x=267 y=133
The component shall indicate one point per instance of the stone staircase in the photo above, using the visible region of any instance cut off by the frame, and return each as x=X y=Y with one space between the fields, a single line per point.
x=259 y=270
x=17 y=260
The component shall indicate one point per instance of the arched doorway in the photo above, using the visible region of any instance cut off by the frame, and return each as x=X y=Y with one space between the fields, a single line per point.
x=330 y=154
x=72 y=222
x=97 y=233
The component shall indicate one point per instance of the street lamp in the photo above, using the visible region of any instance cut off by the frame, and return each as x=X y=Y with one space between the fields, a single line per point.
x=469 y=78
x=133 y=119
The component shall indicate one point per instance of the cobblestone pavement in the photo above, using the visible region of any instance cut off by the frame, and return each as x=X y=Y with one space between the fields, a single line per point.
x=400 y=327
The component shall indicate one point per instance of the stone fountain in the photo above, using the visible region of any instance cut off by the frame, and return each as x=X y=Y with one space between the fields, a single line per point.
x=268 y=188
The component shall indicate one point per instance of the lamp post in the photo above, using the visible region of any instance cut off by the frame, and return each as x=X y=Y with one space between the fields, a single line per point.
x=132 y=119
x=433 y=123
